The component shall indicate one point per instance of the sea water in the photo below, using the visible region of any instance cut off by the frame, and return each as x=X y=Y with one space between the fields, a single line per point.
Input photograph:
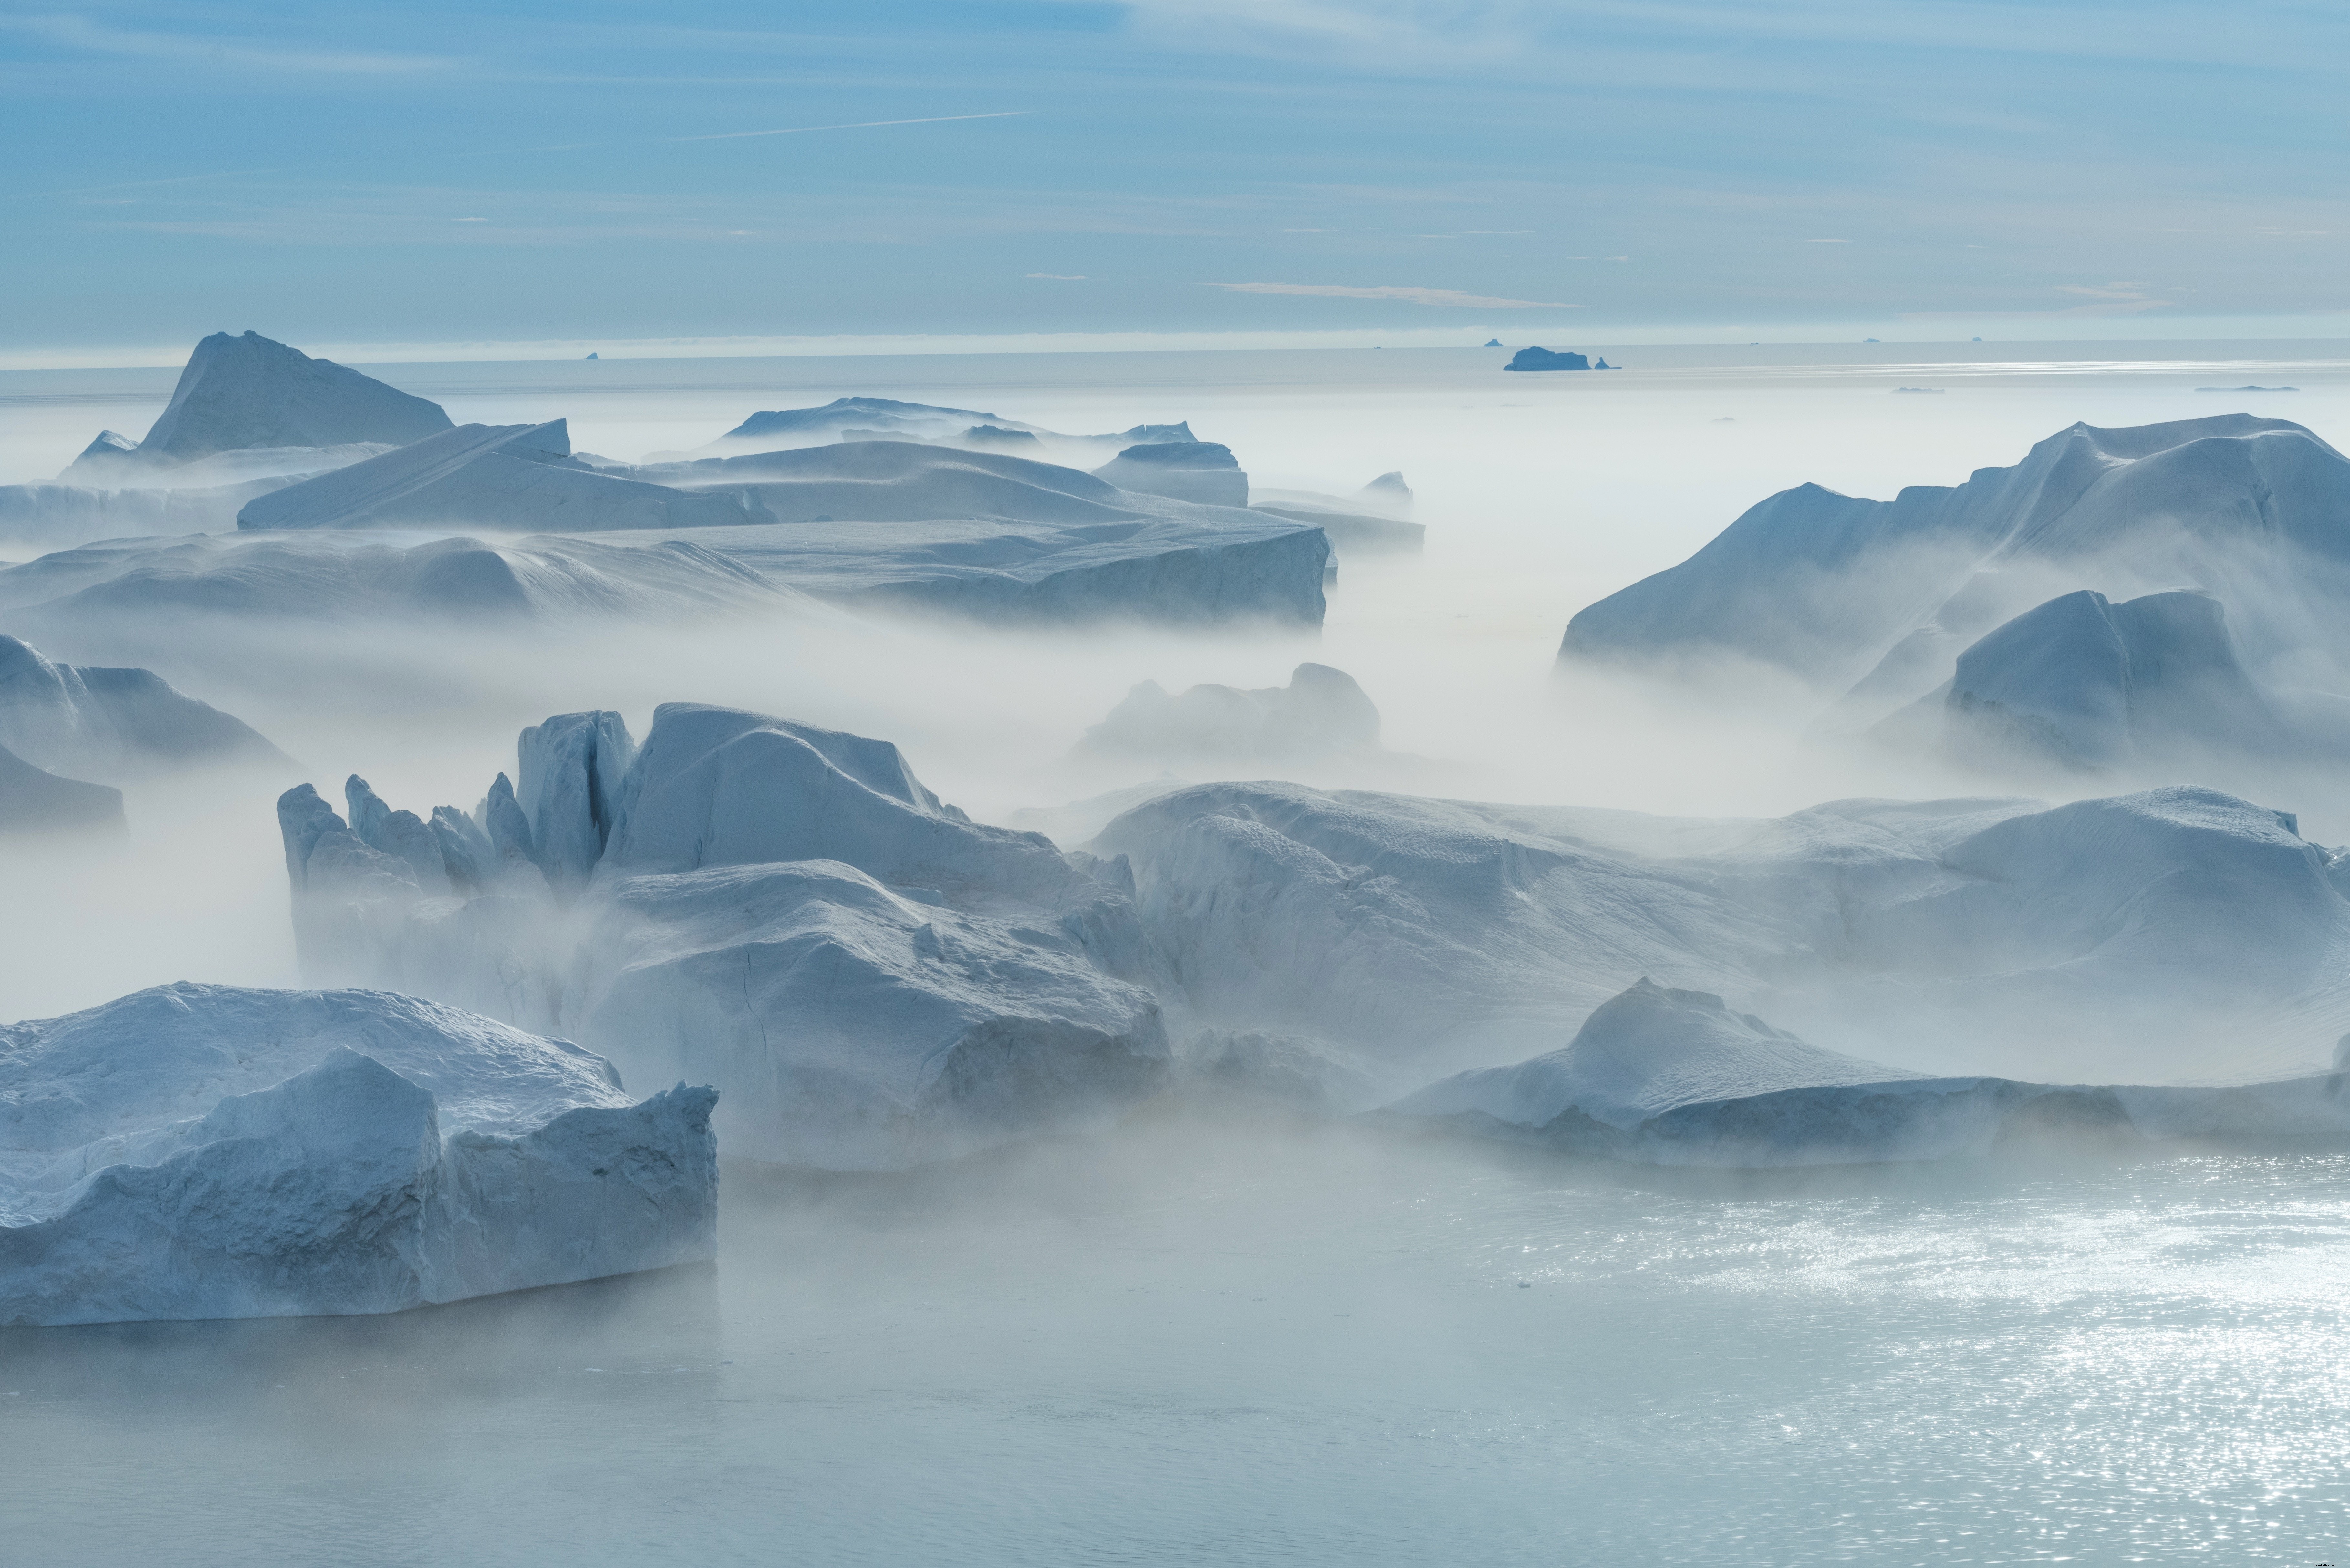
x=1231 y=1340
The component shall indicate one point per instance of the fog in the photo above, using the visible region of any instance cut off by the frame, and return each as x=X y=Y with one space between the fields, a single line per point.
x=1540 y=495
x=1215 y=1327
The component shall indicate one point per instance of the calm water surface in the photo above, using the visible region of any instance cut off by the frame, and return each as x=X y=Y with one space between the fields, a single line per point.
x=1186 y=1345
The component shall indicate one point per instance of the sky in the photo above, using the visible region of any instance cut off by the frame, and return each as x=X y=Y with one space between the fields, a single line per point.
x=1129 y=171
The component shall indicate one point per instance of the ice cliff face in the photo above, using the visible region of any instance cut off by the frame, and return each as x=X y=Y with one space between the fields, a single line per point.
x=1828 y=585
x=1675 y=1077
x=872 y=979
x=105 y=723
x=199 y=1151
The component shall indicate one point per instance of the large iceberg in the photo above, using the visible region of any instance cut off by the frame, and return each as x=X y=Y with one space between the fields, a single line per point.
x=251 y=391
x=103 y=723
x=871 y=978
x=1676 y=1077
x=199 y=1151
x=2175 y=933
x=248 y=416
x=1830 y=585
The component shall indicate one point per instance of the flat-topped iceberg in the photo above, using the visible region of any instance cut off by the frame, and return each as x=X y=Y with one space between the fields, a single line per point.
x=872 y=979
x=850 y=419
x=518 y=478
x=198 y=1151
x=360 y=576
x=1201 y=471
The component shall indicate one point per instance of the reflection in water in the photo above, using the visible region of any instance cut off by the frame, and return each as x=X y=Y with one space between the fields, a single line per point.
x=1184 y=1343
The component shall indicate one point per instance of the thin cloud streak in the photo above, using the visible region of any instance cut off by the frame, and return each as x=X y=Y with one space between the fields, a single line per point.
x=1441 y=297
x=859 y=125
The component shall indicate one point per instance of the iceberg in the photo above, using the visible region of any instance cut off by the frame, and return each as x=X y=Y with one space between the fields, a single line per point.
x=1549 y=359
x=250 y=392
x=885 y=417
x=2174 y=932
x=237 y=392
x=2084 y=683
x=1375 y=520
x=873 y=979
x=1675 y=1077
x=517 y=478
x=110 y=723
x=249 y=416
x=1201 y=471
x=33 y=800
x=200 y=1151
x=357 y=576
x=1828 y=587
x=1322 y=712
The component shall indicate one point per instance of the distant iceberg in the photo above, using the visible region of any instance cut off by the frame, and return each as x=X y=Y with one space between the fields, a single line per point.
x=1547 y=360
x=1201 y=471
x=1675 y=1077
x=1322 y=712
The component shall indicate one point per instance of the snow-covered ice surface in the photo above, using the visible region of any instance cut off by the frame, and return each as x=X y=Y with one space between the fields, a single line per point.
x=200 y=1151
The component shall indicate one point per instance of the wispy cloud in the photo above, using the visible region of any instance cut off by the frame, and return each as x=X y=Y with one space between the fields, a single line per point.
x=180 y=48
x=1452 y=297
x=858 y=125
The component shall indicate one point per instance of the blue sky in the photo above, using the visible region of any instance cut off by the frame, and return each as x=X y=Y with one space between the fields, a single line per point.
x=1591 y=170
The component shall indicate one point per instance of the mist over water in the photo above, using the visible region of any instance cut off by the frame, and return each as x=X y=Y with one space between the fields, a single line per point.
x=1212 y=1335
x=1220 y=1340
